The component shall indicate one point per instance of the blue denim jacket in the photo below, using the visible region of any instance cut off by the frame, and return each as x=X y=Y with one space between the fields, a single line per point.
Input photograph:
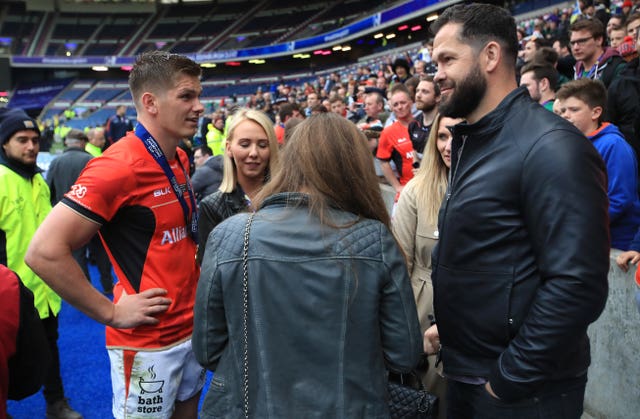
x=330 y=310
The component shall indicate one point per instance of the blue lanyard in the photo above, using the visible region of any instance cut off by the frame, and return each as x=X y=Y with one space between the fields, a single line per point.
x=190 y=216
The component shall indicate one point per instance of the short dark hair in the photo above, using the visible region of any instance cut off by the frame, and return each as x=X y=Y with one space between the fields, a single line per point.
x=205 y=150
x=547 y=55
x=319 y=108
x=379 y=97
x=412 y=83
x=336 y=98
x=621 y=17
x=429 y=78
x=399 y=87
x=482 y=23
x=632 y=18
x=563 y=41
x=285 y=110
x=540 y=42
x=155 y=71
x=593 y=26
x=591 y=92
x=542 y=70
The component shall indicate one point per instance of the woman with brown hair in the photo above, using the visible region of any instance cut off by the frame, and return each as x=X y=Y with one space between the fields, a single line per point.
x=329 y=306
x=415 y=224
x=251 y=152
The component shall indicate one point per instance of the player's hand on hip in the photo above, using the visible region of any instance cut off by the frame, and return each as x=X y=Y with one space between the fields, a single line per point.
x=138 y=309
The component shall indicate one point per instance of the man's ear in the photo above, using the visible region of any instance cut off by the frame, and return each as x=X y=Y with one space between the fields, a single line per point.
x=599 y=40
x=544 y=84
x=149 y=103
x=492 y=53
x=596 y=113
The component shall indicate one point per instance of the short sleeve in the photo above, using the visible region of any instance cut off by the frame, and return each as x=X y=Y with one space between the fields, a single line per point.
x=101 y=189
x=385 y=148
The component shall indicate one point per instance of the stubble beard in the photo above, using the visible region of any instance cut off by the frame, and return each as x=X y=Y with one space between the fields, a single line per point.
x=426 y=107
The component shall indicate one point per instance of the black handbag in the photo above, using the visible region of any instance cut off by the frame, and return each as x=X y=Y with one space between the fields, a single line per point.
x=409 y=400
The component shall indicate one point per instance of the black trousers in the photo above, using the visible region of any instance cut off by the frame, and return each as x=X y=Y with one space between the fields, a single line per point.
x=97 y=252
x=53 y=390
x=95 y=248
x=469 y=401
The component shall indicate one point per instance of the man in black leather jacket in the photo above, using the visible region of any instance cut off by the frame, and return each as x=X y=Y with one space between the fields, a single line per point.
x=521 y=267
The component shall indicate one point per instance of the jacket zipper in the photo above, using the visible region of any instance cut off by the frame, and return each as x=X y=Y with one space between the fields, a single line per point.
x=452 y=173
x=452 y=176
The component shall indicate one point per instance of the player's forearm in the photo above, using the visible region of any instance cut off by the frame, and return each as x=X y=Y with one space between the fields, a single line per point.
x=63 y=274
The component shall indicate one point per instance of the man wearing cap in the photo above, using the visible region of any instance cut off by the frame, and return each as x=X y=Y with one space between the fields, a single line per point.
x=24 y=203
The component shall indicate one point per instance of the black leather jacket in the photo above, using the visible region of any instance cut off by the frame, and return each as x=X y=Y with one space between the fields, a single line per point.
x=214 y=209
x=521 y=266
x=330 y=310
x=623 y=104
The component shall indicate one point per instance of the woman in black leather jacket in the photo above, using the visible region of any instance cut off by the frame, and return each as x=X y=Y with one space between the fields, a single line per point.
x=330 y=306
x=251 y=151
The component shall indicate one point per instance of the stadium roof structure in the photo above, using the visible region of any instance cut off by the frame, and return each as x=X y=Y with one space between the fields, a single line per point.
x=109 y=33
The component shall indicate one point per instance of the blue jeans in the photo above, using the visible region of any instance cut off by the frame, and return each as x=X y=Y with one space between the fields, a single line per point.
x=469 y=401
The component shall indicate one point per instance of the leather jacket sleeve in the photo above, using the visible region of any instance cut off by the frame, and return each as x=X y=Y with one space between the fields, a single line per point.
x=623 y=108
x=565 y=211
x=208 y=218
x=398 y=314
x=200 y=179
x=210 y=333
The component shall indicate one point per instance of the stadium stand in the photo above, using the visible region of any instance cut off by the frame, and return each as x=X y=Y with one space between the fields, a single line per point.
x=220 y=25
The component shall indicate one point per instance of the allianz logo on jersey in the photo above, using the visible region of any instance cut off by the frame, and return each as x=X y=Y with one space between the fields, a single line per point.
x=173 y=235
x=168 y=190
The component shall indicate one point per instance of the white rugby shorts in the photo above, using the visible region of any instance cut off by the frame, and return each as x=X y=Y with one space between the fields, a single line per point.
x=146 y=384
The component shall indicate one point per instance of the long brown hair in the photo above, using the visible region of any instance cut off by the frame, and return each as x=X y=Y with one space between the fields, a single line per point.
x=328 y=158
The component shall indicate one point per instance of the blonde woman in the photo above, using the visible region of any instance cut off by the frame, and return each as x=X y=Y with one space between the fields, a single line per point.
x=251 y=152
x=415 y=225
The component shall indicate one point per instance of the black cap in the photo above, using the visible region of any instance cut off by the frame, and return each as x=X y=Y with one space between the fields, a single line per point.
x=14 y=120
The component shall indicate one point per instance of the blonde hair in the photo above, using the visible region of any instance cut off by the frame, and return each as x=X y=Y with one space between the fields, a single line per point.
x=432 y=178
x=229 y=173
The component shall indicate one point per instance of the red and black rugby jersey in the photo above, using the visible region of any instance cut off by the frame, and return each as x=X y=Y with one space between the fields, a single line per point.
x=144 y=231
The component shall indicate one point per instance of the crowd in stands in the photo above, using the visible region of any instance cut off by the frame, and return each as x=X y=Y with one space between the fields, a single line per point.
x=596 y=42
x=590 y=40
